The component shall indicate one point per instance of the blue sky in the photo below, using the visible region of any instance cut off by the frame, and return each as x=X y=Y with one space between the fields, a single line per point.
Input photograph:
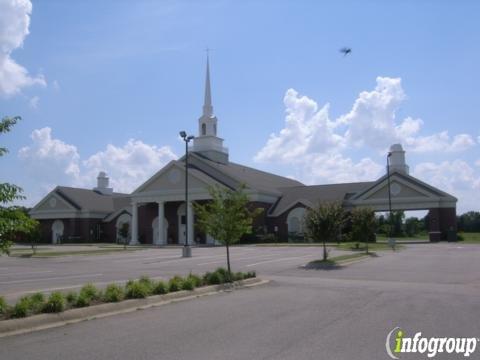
x=108 y=85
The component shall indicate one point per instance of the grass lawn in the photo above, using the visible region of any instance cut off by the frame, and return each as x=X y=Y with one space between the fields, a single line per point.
x=49 y=253
x=351 y=246
x=337 y=261
x=414 y=238
x=470 y=238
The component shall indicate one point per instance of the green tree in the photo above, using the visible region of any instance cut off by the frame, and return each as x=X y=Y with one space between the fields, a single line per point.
x=12 y=219
x=226 y=217
x=413 y=226
x=397 y=219
x=469 y=221
x=363 y=226
x=325 y=223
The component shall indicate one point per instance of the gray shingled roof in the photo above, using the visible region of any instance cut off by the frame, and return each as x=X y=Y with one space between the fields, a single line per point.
x=252 y=178
x=92 y=201
x=315 y=194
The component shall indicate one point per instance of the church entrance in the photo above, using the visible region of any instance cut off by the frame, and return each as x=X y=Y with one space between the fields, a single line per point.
x=57 y=231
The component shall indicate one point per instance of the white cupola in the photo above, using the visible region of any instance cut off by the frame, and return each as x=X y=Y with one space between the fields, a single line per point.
x=102 y=184
x=397 y=159
x=207 y=143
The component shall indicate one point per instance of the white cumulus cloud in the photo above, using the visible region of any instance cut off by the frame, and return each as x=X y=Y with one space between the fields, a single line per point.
x=307 y=130
x=440 y=142
x=14 y=25
x=50 y=158
x=128 y=166
x=456 y=177
x=55 y=162
x=318 y=147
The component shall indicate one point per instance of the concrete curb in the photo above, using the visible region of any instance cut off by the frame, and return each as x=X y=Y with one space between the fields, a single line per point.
x=47 y=321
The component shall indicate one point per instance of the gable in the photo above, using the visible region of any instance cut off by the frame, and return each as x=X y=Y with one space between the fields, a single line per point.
x=398 y=190
x=407 y=193
x=172 y=178
x=53 y=202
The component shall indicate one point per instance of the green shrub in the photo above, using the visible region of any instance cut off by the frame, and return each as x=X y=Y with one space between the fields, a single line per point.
x=222 y=271
x=136 y=290
x=82 y=300
x=175 y=284
x=250 y=274
x=197 y=280
x=238 y=276
x=3 y=306
x=90 y=292
x=37 y=298
x=71 y=298
x=113 y=293
x=21 y=308
x=160 y=288
x=55 y=303
x=188 y=284
x=148 y=283
x=36 y=303
x=214 y=278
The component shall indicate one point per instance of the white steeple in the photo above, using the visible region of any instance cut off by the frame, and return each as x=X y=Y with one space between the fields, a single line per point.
x=207 y=103
x=207 y=143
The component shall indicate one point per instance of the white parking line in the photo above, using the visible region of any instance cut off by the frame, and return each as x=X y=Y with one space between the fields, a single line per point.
x=27 y=273
x=282 y=259
x=47 y=279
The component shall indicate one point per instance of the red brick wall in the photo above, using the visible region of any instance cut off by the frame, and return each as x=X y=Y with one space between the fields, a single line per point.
x=74 y=230
x=442 y=220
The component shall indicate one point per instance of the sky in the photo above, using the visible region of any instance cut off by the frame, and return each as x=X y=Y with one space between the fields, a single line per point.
x=107 y=85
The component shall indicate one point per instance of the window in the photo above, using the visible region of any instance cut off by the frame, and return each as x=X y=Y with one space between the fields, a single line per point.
x=204 y=129
x=215 y=129
x=295 y=220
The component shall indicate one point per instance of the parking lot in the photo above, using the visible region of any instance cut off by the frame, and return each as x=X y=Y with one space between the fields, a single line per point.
x=19 y=276
x=302 y=313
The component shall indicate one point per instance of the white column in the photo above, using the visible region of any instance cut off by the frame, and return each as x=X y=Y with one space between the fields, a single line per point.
x=161 y=231
x=134 y=239
x=190 y=223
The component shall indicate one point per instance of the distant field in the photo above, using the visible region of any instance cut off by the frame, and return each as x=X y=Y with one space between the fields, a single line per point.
x=473 y=238
x=413 y=238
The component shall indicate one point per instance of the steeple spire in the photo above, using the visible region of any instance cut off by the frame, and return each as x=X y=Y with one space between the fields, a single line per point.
x=207 y=143
x=207 y=104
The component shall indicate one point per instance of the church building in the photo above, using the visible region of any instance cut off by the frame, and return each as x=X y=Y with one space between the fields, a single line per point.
x=156 y=212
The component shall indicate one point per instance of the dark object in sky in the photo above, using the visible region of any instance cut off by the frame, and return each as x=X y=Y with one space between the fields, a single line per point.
x=345 y=51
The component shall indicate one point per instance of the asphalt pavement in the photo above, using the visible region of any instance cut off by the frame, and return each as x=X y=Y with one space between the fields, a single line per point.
x=302 y=314
x=21 y=276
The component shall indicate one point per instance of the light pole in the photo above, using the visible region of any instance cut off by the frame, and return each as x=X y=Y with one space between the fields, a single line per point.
x=187 y=250
x=391 y=241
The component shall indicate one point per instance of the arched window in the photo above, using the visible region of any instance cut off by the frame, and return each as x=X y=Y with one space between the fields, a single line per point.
x=204 y=129
x=295 y=220
x=215 y=129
